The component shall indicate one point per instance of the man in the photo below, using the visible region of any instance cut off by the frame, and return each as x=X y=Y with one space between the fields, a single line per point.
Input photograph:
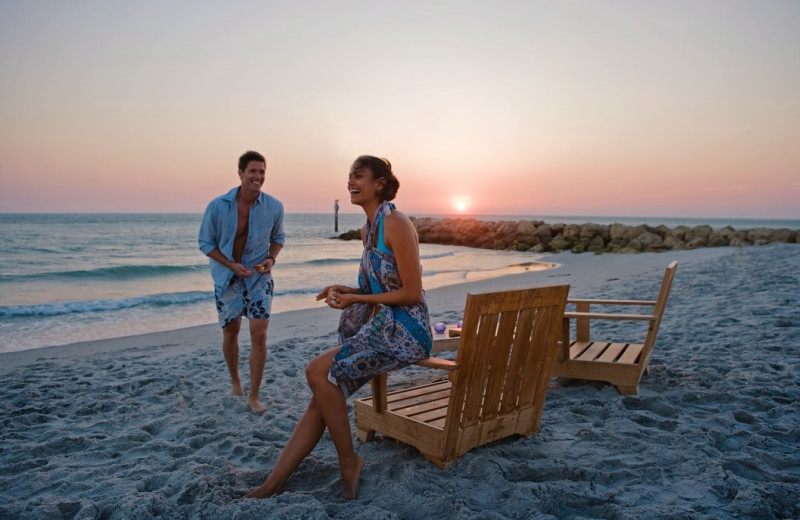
x=242 y=234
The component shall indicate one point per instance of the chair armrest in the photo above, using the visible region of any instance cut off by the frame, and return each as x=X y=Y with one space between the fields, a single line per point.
x=601 y=316
x=445 y=344
x=612 y=302
x=443 y=364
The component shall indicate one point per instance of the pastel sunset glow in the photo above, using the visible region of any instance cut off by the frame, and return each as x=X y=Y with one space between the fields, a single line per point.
x=622 y=107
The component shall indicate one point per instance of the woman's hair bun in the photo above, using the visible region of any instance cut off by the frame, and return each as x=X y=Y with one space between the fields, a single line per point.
x=381 y=169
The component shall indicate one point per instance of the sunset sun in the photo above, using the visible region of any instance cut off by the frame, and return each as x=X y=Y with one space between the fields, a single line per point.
x=460 y=203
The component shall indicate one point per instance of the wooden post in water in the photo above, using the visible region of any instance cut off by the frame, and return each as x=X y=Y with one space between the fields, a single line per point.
x=336 y=215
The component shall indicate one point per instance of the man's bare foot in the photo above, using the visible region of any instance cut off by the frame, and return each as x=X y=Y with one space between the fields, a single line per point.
x=256 y=407
x=237 y=389
x=350 y=478
x=263 y=491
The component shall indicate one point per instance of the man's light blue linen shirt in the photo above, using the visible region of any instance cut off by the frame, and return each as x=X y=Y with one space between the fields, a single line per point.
x=219 y=229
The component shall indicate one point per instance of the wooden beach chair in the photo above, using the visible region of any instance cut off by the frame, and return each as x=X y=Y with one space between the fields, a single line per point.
x=619 y=363
x=496 y=386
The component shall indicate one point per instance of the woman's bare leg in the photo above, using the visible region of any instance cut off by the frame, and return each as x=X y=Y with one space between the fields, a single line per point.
x=305 y=436
x=331 y=403
x=326 y=408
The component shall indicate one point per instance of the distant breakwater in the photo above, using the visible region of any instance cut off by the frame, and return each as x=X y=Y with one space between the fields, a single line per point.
x=540 y=237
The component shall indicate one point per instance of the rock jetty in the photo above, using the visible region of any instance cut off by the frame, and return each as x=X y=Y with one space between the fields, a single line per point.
x=539 y=237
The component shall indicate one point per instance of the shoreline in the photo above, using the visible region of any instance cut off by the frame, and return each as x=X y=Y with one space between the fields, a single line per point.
x=322 y=319
x=143 y=426
x=88 y=302
x=310 y=304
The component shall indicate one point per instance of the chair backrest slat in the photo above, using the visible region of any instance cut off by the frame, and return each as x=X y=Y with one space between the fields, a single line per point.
x=658 y=312
x=506 y=341
x=546 y=330
x=517 y=361
x=497 y=370
x=477 y=368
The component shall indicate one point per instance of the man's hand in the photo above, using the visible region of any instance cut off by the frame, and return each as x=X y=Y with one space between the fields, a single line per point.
x=265 y=266
x=242 y=271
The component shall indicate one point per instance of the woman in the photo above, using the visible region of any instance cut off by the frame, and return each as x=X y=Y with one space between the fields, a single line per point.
x=384 y=326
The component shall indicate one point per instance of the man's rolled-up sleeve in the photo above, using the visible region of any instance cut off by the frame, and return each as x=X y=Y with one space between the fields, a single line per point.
x=207 y=239
x=277 y=235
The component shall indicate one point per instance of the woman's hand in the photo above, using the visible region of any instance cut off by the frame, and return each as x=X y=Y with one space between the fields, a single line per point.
x=338 y=296
x=338 y=300
x=341 y=289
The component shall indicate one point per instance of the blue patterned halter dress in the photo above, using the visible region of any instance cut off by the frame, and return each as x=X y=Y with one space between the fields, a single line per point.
x=379 y=338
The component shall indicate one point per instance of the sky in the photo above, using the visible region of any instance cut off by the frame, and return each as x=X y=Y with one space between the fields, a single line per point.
x=682 y=108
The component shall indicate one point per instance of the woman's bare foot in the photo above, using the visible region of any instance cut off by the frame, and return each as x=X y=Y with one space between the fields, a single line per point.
x=350 y=478
x=263 y=491
x=256 y=407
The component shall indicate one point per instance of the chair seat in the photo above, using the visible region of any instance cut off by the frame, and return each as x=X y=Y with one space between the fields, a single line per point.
x=426 y=404
x=605 y=352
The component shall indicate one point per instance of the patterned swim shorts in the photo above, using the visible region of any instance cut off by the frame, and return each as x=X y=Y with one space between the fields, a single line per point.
x=236 y=301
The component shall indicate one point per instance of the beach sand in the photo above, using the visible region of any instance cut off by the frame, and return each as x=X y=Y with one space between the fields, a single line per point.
x=143 y=427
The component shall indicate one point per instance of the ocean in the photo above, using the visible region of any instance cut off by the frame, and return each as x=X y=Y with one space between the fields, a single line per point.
x=75 y=277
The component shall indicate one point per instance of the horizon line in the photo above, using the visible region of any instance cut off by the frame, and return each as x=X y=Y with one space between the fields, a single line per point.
x=435 y=215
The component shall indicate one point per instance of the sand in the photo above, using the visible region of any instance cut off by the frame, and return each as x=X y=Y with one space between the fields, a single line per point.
x=143 y=427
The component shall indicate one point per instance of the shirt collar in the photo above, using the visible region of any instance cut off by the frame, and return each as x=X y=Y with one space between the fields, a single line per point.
x=231 y=196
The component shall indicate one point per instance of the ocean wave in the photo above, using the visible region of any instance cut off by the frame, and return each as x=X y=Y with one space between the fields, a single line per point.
x=330 y=261
x=532 y=265
x=43 y=249
x=121 y=272
x=430 y=273
x=355 y=260
x=78 y=307
x=103 y=305
x=437 y=255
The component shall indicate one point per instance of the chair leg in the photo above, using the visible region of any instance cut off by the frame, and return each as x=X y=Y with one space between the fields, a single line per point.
x=379 y=384
x=437 y=461
x=628 y=390
x=364 y=435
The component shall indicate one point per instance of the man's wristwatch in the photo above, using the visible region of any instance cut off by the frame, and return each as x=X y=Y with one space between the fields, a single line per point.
x=272 y=258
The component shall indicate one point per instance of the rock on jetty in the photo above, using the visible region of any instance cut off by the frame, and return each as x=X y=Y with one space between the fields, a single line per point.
x=537 y=236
